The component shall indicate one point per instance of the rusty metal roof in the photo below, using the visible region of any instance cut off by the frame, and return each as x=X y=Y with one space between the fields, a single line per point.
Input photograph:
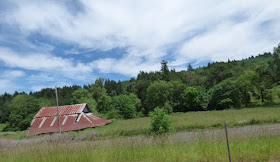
x=71 y=118
x=63 y=110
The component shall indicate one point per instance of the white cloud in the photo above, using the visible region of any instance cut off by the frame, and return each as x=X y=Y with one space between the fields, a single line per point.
x=7 y=86
x=197 y=30
x=129 y=66
x=12 y=74
x=8 y=80
x=46 y=63
x=41 y=77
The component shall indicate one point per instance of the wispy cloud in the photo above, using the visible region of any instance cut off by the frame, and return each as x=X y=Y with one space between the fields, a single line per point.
x=45 y=62
x=8 y=80
x=13 y=74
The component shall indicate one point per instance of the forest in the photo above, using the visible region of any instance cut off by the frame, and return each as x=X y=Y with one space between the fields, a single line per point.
x=251 y=82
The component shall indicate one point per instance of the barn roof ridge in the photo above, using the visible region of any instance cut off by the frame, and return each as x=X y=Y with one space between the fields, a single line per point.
x=65 y=105
x=63 y=110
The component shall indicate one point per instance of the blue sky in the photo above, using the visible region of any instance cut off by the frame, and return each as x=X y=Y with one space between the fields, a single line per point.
x=44 y=43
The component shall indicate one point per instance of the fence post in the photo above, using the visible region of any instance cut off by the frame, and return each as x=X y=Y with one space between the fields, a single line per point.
x=227 y=142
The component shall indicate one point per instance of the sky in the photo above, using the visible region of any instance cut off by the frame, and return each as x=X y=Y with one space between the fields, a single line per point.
x=47 y=43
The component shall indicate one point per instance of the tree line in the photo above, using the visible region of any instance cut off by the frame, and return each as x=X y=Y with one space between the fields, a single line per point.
x=219 y=85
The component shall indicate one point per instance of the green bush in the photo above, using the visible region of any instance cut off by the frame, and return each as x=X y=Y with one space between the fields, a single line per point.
x=161 y=121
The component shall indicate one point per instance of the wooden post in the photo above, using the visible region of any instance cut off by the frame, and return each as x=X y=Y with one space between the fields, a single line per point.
x=227 y=142
x=57 y=109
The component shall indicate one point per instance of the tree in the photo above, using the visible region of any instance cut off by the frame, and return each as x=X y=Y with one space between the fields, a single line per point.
x=164 y=70
x=111 y=87
x=217 y=72
x=176 y=100
x=190 y=68
x=203 y=98
x=276 y=63
x=126 y=104
x=135 y=100
x=5 y=101
x=23 y=109
x=80 y=95
x=160 y=121
x=224 y=96
x=141 y=90
x=44 y=102
x=99 y=82
x=48 y=93
x=247 y=83
x=120 y=89
x=131 y=87
x=190 y=75
x=157 y=94
x=2 y=111
x=265 y=79
x=96 y=91
x=104 y=103
x=84 y=96
x=191 y=99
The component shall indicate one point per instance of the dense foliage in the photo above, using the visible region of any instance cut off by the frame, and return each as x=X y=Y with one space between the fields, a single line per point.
x=160 y=121
x=219 y=85
x=23 y=108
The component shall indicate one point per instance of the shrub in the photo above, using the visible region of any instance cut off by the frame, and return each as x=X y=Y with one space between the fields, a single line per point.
x=161 y=122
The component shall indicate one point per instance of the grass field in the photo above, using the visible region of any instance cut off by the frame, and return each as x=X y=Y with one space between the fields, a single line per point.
x=253 y=143
x=193 y=121
x=197 y=137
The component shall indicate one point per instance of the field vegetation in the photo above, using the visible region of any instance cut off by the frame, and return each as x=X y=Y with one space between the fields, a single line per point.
x=251 y=143
x=192 y=121
x=197 y=137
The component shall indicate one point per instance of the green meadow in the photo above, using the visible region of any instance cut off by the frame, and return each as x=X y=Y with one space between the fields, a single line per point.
x=193 y=121
x=197 y=136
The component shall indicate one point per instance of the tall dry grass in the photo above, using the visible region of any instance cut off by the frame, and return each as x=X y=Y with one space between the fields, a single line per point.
x=253 y=143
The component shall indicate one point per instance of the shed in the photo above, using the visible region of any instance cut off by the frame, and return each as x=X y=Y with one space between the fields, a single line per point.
x=72 y=117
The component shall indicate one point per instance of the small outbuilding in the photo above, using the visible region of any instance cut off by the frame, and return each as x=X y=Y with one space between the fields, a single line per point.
x=72 y=117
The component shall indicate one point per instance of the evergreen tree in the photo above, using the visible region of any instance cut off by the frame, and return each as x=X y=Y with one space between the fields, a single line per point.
x=164 y=70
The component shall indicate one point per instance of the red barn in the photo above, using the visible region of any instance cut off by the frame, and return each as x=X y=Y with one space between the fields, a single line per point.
x=72 y=117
